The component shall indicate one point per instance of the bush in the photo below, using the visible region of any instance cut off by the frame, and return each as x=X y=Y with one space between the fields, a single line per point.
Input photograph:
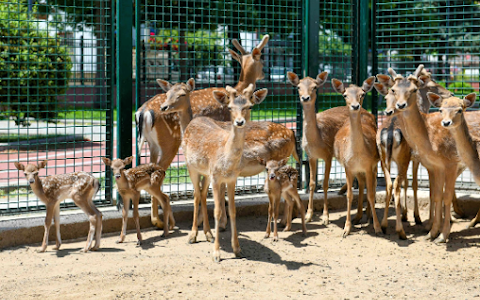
x=34 y=68
x=459 y=88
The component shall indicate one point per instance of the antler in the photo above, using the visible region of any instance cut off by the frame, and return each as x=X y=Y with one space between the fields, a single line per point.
x=418 y=70
x=264 y=42
x=238 y=46
x=394 y=74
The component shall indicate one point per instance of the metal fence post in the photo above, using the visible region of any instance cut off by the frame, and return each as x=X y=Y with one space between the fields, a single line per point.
x=124 y=78
x=139 y=48
x=310 y=55
x=373 y=38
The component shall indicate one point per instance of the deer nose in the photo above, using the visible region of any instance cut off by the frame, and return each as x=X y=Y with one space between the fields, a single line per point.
x=355 y=106
x=164 y=108
x=401 y=106
x=446 y=123
x=31 y=180
x=239 y=123
x=272 y=176
x=389 y=112
x=305 y=98
x=117 y=176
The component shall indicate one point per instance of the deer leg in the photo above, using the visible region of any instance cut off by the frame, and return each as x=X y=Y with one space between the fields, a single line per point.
x=206 y=225
x=136 y=218
x=195 y=178
x=126 y=207
x=416 y=211
x=326 y=178
x=447 y=199
x=348 y=221
x=292 y=193
x=361 y=189
x=165 y=203
x=217 y=214
x=371 y=179
x=343 y=189
x=438 y=185
x=270 y=215
x=288 y=201
x=388 y=196
x=286 y=214
x=154 y=214
x=56 y=219
x=98 y=229
x=48 y=223
x=82 y=202
x=431 y=182
x=313 y=172
x=397 y=193
x=233 y=219
x=276 y=208
x=456 y=207
x=474 y=221
x=223 y=220
x=405 y=200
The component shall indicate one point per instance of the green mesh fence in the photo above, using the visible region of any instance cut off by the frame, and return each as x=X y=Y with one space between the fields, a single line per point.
x=442 y=35
x=55 y=91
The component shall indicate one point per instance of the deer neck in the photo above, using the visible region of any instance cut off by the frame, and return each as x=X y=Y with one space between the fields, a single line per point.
x=185 y=117
x=37 y=188
x=467 y=149
x=356 y=132
x=244 y=81
x=310 y=128
x=234 y=144
x=122 y=182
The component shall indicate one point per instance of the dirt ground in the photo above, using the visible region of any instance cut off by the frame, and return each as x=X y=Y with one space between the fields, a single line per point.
x=320 y=266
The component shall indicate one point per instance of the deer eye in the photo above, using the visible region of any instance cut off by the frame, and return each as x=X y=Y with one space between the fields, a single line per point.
x=229 y=108
x=393 y=91
x=414 y=90
x=344 y=95
x=440 y=110
x=459 y=111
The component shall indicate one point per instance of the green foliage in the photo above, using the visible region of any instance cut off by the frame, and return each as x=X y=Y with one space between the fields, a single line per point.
x=34 y=68
x=331 y=44
x=459 y=88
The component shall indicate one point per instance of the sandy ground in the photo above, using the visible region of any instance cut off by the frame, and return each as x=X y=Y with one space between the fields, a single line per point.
x=320 y=266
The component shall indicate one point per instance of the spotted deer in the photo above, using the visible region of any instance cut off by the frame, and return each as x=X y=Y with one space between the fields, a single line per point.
x=319 y=130
x=268 y=140
x=162 y=131
x=147 y=177
x=453 y=111
x=81 y=187
x=355 y=148
x=432 y=145
x=215 y=151
x=281 y=182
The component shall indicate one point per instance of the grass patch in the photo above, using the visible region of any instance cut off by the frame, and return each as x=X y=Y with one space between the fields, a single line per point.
x=177 y=175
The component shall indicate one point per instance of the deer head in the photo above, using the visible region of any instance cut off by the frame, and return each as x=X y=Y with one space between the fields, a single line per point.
x=353 y=94
x=178 y=95
x=31 y=170
x=452 y=108
x=307 y=87
x=252 y=64
x=117 y=165
x=390 y=99
x=273 y=167
x=240 y=103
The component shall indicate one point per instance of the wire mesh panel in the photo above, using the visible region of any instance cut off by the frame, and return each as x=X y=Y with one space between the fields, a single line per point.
x=178 y=40
x=442 y=35
x=55 y=91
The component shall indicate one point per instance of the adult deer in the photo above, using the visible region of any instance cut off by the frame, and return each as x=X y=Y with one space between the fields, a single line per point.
x=453 y=110
x=81 y=187
x=267 y=140
x=319 y=130
x=216 y=152
x=433 y=146
x=147 y=177
x=355 y=148
x=162 y=131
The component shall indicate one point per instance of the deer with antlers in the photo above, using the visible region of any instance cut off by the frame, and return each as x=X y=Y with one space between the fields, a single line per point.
x=216 y=152
x=355 y=148
x=268 y=140
x=453 y=111
x=162 y=131
x=147 y=177
x=319 y=131
x=281 y=181
x=81 y=187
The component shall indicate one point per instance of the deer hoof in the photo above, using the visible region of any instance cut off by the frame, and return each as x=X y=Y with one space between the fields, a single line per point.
x=418 y=221
x=384 y=229
x=216 y=256
x=357 y=219
x=275 y=238
x=41 y=250
x=440 y=239
x=309 y=216
x=326 y=220
x=402 y=235
x=139 y=243
x=239 y=254
x=192 y=239
x=209 y=237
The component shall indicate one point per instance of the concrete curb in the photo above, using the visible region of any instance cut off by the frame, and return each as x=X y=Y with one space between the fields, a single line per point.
x=29 y=229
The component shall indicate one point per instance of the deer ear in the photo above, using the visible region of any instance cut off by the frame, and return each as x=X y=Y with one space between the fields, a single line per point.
x=423 y=81
x=157 y=177
x=42 y=164
x=235 y=55
x=165 y=85
x=381 y=88
x=256 y=54
x=19 y=166
x=368 y=84
x=107 y=161
x=469 y=100
x=321 y=78
x=191 y=84
x=293 y=78
x=435 y=100
x=221 y=97
x=338 y=86
x=128 y=160
x=261 y=161
x=259 y=96
x=284 y=161
x=385 y=80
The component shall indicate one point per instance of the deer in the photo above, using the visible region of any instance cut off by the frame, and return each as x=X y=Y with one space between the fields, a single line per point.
x=355 y=148
x=268 y=140
x=281 y=181
x=162 y=131
x=148 y=177
x=432 y=145
x=216 y=152
x=319 y=130
x=81 y=187
x=453 y=111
